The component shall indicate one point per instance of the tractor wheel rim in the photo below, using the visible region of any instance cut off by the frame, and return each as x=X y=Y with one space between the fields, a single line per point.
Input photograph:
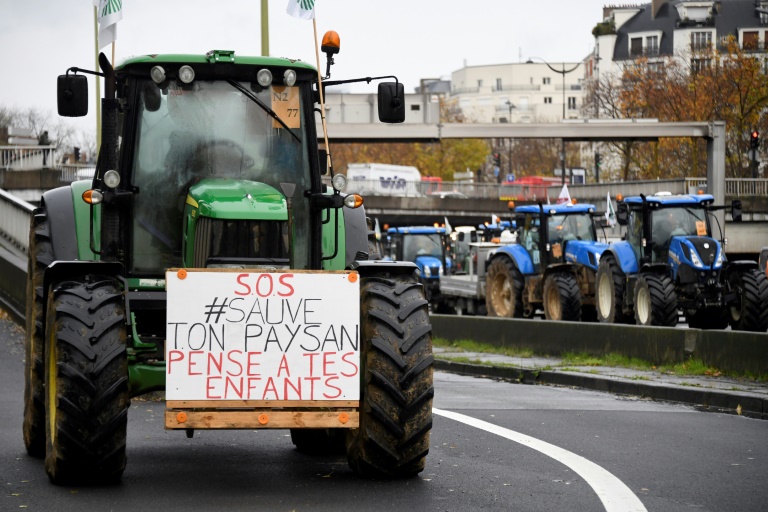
x=604 y=295
x=643 y=305
x=553 y=304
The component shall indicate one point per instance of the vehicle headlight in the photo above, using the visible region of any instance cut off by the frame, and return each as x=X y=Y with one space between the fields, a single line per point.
x=719 y=261
x=339 y=182
x=427 y=272
x=186 y=74
x=440 y=270
x=695 y=258
x=289 y=77
x=264 y=77
x=111 y=178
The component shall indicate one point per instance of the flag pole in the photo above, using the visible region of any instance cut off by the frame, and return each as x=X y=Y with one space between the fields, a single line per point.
x=264 y=29
x=98 y=79
x=322 y=99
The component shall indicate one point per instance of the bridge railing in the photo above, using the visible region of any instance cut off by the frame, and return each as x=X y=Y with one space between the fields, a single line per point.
x=15 y=215
x=19 y=158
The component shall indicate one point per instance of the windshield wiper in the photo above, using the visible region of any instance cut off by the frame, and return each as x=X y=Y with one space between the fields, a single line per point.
x=264 y=106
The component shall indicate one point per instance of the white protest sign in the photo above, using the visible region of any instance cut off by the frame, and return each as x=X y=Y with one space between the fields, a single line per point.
x=262 y=336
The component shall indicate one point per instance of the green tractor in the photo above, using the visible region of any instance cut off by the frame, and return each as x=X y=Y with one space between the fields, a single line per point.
x=211 y=163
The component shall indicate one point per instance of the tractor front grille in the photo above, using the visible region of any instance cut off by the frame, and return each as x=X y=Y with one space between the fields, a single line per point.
x=241 y=243
x=708 y=253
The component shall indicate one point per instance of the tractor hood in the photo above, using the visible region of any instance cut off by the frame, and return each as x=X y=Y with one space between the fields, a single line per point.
x=701 y=252
x=237 y=199
x=584 y=252
x=430 y=266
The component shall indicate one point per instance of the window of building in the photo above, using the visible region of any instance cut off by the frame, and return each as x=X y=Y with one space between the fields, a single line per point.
x=479 y=83
x=700 y=64
x=416 y=107
x=652 y=45
x=547 y=100
x=750 y=40
x=498 y=84
x=701 y=40
x=571 y=103
x=545 y=80
x=636 y=46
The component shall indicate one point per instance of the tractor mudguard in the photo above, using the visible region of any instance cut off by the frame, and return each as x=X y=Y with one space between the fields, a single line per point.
x=519 y=255
x=740 y=265
x=60 y=209
x=59 y=270
x=624 y=255
x=583 y=252
x=356 y=232
x=368 y=268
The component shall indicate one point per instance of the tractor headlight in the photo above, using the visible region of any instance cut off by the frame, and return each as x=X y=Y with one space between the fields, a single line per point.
x=112 y=178
x=339 y=182
x=719 y=261
x=427 y=271
x=440 y=270
x=264 y=77
x=289 y=77
x=695 y=259
x=186 y=74
x=157 y=73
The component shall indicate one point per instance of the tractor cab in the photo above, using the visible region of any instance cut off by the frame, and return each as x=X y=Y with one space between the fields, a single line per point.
x=547 y=230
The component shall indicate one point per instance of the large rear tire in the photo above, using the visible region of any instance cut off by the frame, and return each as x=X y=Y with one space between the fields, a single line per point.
x=751 y=311
x=397 y=380
x=86 y=395
x=40 y=256
x=655 y=301
x=504 y=292
x=610 y=292
x=562 y=297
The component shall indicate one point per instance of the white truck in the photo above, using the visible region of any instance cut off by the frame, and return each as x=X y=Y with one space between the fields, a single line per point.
x=384 y=180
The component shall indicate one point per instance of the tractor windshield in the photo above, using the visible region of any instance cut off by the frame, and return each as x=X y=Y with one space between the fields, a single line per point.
x=675 y=221
x=422 y=245
x=208 y=130
x=574 y=226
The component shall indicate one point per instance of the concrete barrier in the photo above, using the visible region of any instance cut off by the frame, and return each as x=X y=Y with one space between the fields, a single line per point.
x=725 y=350
x=13 y=283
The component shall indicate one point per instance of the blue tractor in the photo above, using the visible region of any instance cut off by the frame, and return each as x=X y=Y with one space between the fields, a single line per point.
x=551 y=267
x=669 y=261
x=425 y=246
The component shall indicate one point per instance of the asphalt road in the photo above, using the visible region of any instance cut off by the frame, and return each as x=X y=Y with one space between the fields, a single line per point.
x=526 y=448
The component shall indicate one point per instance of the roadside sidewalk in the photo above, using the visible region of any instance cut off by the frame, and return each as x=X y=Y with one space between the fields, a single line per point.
x=736 y=396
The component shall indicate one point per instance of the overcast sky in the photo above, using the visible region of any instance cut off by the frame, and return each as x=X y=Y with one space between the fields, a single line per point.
x=411 y=39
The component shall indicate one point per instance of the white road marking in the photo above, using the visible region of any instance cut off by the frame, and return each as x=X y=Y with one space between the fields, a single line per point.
x=614 y=494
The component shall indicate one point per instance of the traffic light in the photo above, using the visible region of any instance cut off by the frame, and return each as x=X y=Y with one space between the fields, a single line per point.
x=497 y=159
x=76 y=154
x=754 y=139
x=597 y=160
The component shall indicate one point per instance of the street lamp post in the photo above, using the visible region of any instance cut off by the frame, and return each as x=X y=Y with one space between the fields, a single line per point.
x=562 y=72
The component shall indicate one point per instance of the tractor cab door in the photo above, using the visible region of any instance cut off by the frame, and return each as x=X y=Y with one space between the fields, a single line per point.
x=635 y=233
x=531 y=238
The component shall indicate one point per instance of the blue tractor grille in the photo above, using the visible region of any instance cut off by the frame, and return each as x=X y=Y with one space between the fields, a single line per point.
x=707 y=254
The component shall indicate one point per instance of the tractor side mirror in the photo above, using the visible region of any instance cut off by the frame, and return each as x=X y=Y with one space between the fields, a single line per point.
x=151 y=94
x=736 y=210
x=622 y=214
x=72 y=95
x=391 y=102
x=323 y=154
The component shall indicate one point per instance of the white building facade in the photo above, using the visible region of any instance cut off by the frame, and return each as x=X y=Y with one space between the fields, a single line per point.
x=519 y=92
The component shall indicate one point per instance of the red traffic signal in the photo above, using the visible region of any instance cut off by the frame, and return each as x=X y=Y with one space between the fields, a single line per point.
x=754 y=139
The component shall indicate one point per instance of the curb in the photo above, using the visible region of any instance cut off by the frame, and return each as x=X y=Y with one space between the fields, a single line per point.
x=714 y=400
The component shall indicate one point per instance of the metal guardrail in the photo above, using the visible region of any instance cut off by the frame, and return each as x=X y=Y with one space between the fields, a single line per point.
x=734 y=187
x=21 y=158
x=15 y=215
